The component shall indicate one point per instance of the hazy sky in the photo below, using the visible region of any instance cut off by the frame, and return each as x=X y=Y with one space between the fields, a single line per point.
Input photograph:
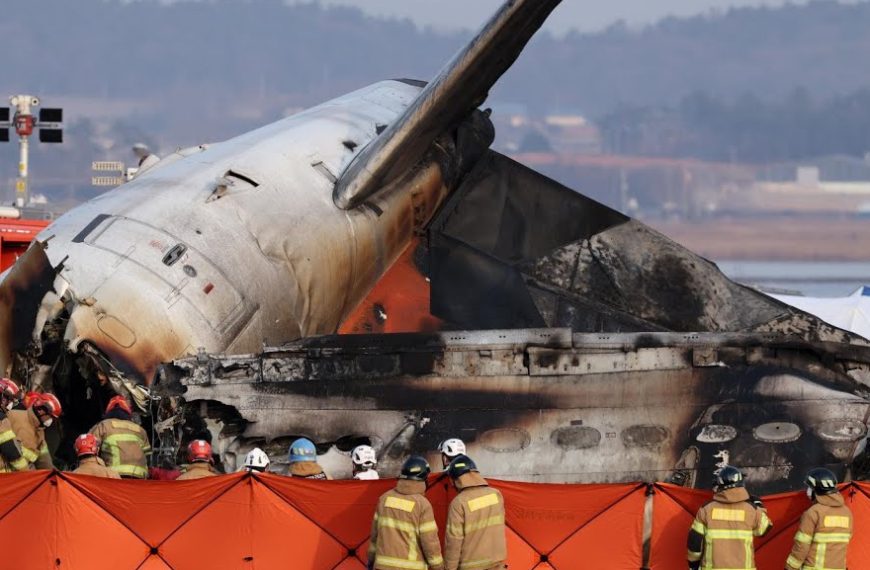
x=585 y=15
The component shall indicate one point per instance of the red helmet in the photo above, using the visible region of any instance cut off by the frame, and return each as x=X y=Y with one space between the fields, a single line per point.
x=119 y=402
x=86 y=444
x=9 y=388
x=50 y=403
x=199 y=450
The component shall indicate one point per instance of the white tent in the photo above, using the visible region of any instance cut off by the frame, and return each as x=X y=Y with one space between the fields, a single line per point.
x=851 y=313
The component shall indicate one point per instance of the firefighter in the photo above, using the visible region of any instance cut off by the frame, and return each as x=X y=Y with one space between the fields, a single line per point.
x=11 y=458
x=257 y=460
x=124 y=444
x=200 y=461
x=475 y=537
x=29 y=426
x=825 y=529
x=404 y=524
x=303 y=460
x=449 y=449
x=364 y=461
x=87 y=449
x=724 y=529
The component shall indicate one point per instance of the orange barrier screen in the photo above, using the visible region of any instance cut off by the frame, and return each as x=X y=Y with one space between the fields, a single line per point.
x=60 y=520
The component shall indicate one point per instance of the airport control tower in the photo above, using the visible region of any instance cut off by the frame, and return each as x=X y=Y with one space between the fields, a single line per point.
x=23 y=121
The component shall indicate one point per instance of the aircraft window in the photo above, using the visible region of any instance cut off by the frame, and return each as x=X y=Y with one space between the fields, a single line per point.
x=575 y=437
x=716 y=433
x=777 y=432
x=174 y=254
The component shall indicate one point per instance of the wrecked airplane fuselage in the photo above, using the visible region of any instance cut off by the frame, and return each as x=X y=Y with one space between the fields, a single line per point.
x=279 y=234
x=548 y=405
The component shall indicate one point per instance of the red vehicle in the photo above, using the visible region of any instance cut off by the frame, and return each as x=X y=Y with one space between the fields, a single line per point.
x=15 y=237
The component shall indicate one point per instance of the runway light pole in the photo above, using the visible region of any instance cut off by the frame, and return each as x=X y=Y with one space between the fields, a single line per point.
x=24 y=123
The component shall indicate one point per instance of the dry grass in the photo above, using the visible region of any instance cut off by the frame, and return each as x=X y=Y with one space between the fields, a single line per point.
x=785 y=239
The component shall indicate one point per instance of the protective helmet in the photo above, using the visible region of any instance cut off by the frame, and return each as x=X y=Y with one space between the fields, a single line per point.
x=822 y=481
x=452 y=447
x=415 y=468
x=86 y=444
x=119 y=402
x=49 y=403
x=10 y=391
x=302 y=450
x=728 y=478
x=460 y=465
x=256 y=460
x=199 y=450
x=364 y=456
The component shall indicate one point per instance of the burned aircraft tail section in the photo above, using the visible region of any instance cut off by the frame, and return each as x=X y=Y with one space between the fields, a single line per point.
x=513 y=248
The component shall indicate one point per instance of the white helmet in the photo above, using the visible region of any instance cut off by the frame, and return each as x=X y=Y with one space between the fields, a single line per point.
x=256 y=460
x=452 y=447
x=364 y=456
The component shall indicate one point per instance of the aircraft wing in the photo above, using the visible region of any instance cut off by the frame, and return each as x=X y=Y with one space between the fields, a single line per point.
x=459 y=88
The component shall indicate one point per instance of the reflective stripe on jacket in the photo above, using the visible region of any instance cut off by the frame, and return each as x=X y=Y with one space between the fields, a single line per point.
x=95 y=467
x=198 y=470
x=123 y=447
x=722 y=534
x=11 y=458
x=31 y=434
x=823 y=536
x=475 y=538
x=404 y=534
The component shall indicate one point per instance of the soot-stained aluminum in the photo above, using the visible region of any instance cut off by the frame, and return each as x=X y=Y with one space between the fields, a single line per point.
x=549 y=405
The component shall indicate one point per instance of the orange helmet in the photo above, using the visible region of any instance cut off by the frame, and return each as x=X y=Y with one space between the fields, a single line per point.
x=86 y=444
x=50 y=403
x=119 y=402
x=199 y=450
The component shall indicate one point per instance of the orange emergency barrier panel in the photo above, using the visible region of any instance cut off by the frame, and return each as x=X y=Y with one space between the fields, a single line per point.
x=255 y=521
x=574 y=526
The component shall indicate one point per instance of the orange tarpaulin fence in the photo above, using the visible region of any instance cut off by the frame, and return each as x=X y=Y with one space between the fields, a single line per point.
x=60 y=520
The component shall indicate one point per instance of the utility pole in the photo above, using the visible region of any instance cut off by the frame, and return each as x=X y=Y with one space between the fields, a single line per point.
x=50 y=131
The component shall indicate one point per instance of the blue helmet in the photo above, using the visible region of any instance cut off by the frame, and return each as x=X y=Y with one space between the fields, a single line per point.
x=302 y=450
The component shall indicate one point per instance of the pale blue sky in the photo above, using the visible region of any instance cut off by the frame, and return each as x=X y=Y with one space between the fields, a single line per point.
x=586 y=15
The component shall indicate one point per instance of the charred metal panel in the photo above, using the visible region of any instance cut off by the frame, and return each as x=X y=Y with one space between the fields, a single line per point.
x=512 y=248
x=548 y=406
x=21 y=294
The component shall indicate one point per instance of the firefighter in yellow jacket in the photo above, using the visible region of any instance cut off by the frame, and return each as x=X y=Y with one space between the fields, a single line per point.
x=29 y=426
x=87 y=449
x=825 y=529
x=11 y=458
x=199 y=461
x=475 y=538
x=404 y=534
x=724 y=529
x=124 y=444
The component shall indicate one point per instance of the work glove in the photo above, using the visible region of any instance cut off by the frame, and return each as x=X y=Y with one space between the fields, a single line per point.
x=756 y=501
